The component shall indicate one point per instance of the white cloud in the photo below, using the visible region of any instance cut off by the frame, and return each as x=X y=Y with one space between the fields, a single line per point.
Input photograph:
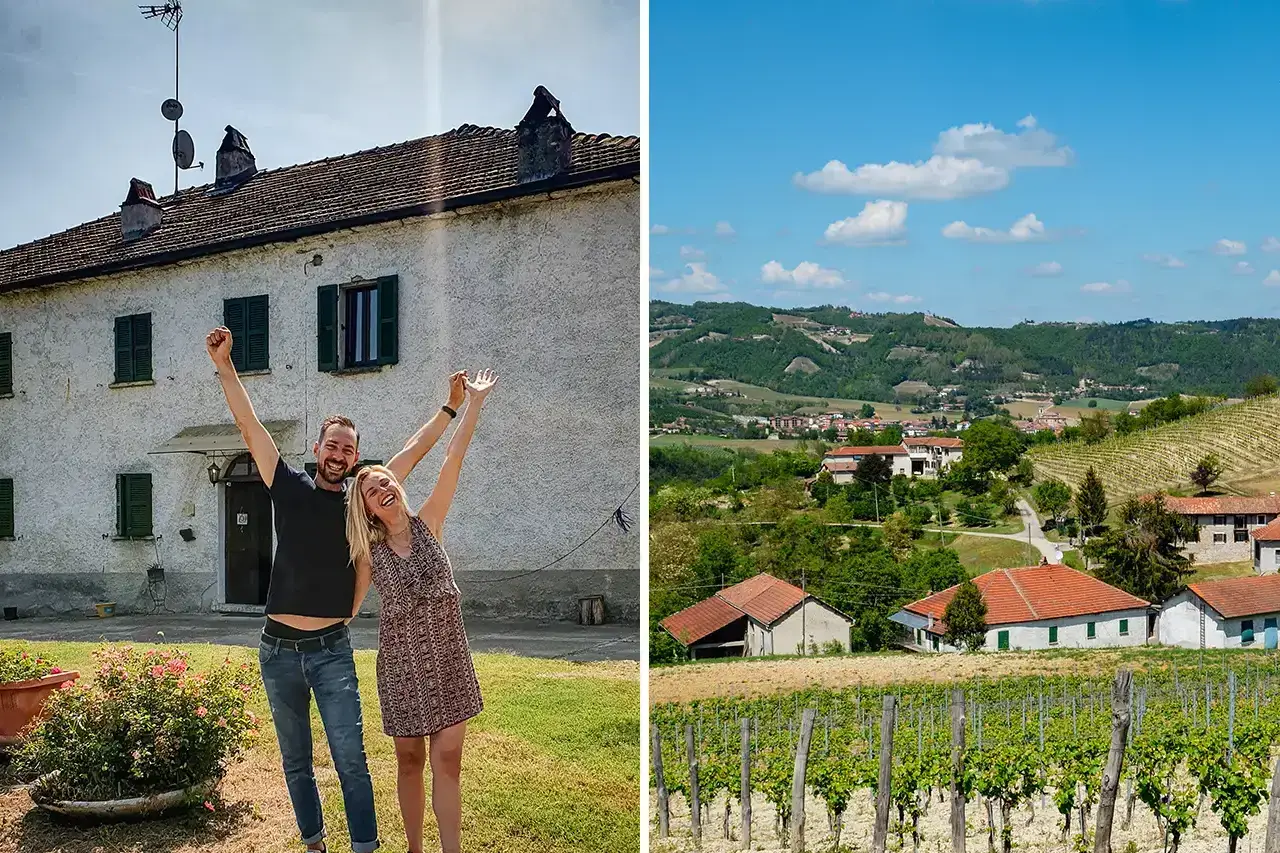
x=988 y=144
x=806 y=274
x=1271 y=244
x=900 y=299
x=1272 y=279
x=1121 y=286
x=654 y=272
x=1169 y=262
x=1025 y=230
x=724 y=229
x=880 y=222
x=699 y=281
x=1047 y=269
x=1229 y=247
x=935 y=179
x=659 y=230
x=691 y=253
x=1242 y=268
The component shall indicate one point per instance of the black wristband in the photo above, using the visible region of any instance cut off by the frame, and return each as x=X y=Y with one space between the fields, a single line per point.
x=448 y=411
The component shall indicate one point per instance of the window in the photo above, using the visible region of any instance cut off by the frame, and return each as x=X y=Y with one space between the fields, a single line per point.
x=6 y=509
x=1269 y=623
x=133 y=348
x=1053 y=635
x=6 y=364
x=1241 y=535
x=248 y=318
x=1219 y=539
x=357 y=325
x=1262 y=519
x=1240 y=521
x=1219 y=520
x=935 y=644
x=1246 y=631
x=133 y=506
x=919 y=637
x=1124 y=627
x=1002 y=640
x=1092 y=631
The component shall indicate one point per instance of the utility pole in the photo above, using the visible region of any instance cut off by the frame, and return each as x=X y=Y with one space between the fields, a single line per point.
x=875 y=490
x=804 y=631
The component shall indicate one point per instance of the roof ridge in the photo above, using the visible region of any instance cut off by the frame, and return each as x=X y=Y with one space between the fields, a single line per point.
x=1008 y=573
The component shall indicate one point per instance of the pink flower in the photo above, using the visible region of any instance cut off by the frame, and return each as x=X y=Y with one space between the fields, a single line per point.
x=55 y=671
x=67 y=685
x=208 y=805
x=177 y=665
x=157 y=671
x=137 y=755
x=202 y=711
x=222 y=722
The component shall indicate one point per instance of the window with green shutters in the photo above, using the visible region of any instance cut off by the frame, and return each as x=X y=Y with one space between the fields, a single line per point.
x=6 y=364
x=1002 y=640
x=1092 y=630
x=1124 y=627
x=1053 y=635
x=6 y=509
x=133 y=348
x=133 y=506
x=248 y=318
x=358 y=325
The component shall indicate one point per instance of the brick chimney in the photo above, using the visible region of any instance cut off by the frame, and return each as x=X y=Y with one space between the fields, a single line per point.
x=140 y=214
x=546 y=141
x=235 y=163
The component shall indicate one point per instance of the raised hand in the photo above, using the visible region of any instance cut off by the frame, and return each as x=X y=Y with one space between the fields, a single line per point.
x=457 y=389
x=480 y=387
x=218 y=343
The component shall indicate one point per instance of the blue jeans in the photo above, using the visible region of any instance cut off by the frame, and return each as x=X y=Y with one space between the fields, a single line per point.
x=325 y=666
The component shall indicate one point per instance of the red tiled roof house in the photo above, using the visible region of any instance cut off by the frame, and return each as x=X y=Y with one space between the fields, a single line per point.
x=1224 y=524
x=760 y=616
x=1036 y=607
x=1227 y=613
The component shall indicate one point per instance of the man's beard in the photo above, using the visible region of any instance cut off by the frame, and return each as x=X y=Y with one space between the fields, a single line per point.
x=323 y=472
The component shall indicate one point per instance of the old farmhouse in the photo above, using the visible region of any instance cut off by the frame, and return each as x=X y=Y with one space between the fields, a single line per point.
x=1224 y=524
x=352 y=285
x=1227 y=613
x=915 y=457
x=1038 y=607
x=759 y=616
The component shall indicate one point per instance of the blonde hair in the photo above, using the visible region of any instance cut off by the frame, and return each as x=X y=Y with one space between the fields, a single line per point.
x=363 y=530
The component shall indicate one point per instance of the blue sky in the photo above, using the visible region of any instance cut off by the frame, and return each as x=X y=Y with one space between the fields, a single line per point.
x=80 y=93
x=1001 y=159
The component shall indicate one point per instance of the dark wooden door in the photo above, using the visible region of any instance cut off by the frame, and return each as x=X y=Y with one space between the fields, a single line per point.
x=248 y=543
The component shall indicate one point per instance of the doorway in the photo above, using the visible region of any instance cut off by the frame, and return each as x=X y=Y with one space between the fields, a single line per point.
x=248 y=534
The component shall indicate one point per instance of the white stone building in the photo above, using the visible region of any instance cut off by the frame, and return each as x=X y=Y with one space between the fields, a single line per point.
x=1228 y=613
x=1266 y=548
x=1037 y=607
x=1224 y=524
x=760 y=616
x=930 y=457
x=915 y=457
x=353 y=285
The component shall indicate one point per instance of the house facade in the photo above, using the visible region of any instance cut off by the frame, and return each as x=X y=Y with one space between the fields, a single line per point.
x=1228 y=613
x=1224 y=524
x=929 y=457
x=1037 y=607
x=1266 y=548
x=760 y=616
x=353 y=285
x=915 y=457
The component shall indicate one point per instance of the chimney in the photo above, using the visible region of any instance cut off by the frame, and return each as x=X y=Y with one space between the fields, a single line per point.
x=235 y=163
x=546 y=141
x=141 y=213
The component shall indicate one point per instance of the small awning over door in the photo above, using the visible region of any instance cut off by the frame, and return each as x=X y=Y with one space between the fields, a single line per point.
x=218 y=438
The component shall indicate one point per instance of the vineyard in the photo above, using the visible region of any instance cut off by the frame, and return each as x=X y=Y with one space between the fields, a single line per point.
x=880 y=769
x=1245 y=436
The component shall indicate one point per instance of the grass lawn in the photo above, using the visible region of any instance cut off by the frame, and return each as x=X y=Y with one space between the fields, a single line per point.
x=1218 y=571
x=763 y=445
x=551 y=764
x=981 y=554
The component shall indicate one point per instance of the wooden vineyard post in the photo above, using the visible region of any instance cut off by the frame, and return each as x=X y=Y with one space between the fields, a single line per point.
x=664 y=812
x=1120 y=713
x=883 y=793
x=797 y=780
x=1273 y=814
x=746 y=784
x=957 y=770
x=695 y=805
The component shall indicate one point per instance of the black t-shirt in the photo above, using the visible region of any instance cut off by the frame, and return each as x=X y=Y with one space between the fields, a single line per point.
x=312 y=574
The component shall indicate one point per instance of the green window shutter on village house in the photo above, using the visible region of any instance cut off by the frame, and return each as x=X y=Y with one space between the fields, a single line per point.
x=327 y=328
x=248 y=320
x=133 y=506
x=6 y=509
x=388 y=320
x=133 y=348
x=233 y=319
x=124 y=349
x=6 y=363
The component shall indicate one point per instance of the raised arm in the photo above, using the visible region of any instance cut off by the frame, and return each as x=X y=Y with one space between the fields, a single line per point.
x=420 y=444
x=260 y=443
x=437 y=506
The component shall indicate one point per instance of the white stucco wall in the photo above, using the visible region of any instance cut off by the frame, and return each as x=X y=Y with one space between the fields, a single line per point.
x=814 y=623
x=1266 y=558
x=546 y=292
x=1180 y=625
x=1206 y=550
x=1073 y=632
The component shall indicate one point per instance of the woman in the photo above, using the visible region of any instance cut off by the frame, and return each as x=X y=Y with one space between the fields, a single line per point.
x=427 y=684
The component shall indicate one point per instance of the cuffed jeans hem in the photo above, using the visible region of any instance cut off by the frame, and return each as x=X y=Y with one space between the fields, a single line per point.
x=319 y=836
x=364 y=846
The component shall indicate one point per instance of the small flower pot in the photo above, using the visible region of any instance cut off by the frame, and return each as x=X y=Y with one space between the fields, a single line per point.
x=132 y=807
x=21 y=703
x=105 y=609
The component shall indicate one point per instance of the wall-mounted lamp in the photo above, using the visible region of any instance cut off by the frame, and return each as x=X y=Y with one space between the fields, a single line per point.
x=215 y=473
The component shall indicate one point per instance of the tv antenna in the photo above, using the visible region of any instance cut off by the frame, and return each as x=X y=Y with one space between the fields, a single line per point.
x=184 y=151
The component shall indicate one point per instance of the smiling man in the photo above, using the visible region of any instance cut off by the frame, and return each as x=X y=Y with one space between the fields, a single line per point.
x=306 y=646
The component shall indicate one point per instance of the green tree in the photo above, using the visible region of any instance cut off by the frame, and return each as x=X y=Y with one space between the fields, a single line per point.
x=1261 y=386
x=875 y=468
x=1095 y=427
x=838 y=510
x=1024 y=473
x=1143 y=554
x=1091 y=502
x=991 y=448
x=867 y=411
x=823 y=488
x=1004 y=497
x=966 y=618
x=871 y=632
x=1207 y=472
x=1052 y=498
x=897 y=533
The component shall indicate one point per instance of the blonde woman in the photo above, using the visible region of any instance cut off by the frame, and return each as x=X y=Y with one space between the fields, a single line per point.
x=427 y=683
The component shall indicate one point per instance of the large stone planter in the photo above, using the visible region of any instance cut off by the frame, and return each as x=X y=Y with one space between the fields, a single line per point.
x=133 y=807
x=21 y=703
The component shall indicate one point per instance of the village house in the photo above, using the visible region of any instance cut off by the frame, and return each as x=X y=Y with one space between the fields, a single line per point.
x=1227 y=613
x=353 y=285
x=790 y=424
x=1266 y=548
x=929 y=457
x=759 y=616
x=1038 y=607
x=1224 y=525
x=915 y=457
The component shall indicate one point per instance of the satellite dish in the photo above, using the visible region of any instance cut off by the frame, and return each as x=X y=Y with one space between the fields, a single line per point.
x=171 y=109
x=1057 y=556
x=184 y=150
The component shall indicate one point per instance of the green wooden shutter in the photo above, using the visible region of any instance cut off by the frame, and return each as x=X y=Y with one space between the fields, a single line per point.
x=6 y=363
x=388 y=320
x=124 y=349
x=138 y=508
x=6 y=508
x=141 y=347
x=1002 y=640
x=233 y=311
x=258 y=332
x=122 y=504
x=327 y=328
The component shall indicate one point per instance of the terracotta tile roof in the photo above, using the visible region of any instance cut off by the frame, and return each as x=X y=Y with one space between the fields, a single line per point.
x=763 y=597
x=701 y=620
x=1233 y=597
x=1033 y=593
x=933 y=442
x=839 y=465
x=1225 y=505
x=1267 y=533
x=467 y=165
x=887 y=450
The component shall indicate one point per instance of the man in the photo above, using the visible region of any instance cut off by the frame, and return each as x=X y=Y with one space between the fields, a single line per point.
x=306 y=645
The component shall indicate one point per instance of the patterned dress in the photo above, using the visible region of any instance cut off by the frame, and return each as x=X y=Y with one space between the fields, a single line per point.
x=426 y=680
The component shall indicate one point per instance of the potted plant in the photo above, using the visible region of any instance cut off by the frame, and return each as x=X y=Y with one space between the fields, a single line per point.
x=26 y=681
x=149 y=734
